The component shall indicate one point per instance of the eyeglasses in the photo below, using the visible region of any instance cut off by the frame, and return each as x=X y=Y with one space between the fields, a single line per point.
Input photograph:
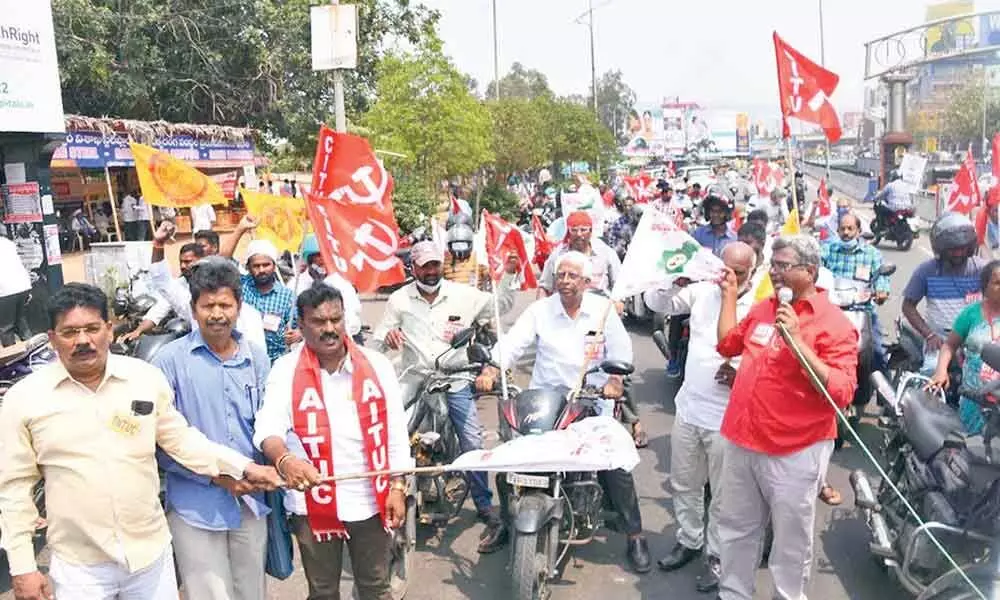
x=580 y=230
x=778 y=266
x=568 y=276
x=71 y=333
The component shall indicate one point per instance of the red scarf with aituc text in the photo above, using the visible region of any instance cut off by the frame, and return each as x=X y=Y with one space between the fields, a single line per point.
x=312 y=424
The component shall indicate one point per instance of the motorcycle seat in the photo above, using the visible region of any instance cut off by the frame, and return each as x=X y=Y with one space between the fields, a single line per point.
x=21 y=350
x=928 y=423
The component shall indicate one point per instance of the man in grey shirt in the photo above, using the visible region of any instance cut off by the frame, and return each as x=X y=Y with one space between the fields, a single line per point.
x=579 y=237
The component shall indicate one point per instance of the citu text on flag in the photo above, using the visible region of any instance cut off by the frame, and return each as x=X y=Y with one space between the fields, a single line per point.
x=804 y=89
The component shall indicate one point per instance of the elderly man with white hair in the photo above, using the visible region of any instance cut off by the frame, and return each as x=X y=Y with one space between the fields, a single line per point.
x=570 y=330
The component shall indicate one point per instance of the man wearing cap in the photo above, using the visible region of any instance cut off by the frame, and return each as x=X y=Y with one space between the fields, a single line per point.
x=421 y=319
x=579 y=237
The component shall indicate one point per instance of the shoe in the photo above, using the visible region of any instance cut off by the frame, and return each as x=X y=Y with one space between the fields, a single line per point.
x=708 y=581
x=678 y=557
x=494 y=537
x=673 y=368
x=637 y=552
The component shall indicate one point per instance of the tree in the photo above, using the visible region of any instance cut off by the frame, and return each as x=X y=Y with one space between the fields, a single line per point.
x=518 y=140
x=574 y=133
x=238 y=62
x=425 y=111
x=521 y=82
x=614 y=101
x=963 y=116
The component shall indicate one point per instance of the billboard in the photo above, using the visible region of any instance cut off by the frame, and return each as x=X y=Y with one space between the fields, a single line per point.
x=676 y=128
x=30 y=94
x=953 y=35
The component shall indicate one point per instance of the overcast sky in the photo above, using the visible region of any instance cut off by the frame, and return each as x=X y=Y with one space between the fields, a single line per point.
x=715 y=52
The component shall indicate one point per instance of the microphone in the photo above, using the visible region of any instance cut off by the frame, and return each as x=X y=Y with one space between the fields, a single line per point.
x=785 y=297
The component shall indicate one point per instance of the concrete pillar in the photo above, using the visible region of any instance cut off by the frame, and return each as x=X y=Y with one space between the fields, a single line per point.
x=896 y=118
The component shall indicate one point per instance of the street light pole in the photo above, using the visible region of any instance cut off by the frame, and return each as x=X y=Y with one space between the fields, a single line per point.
x=822 y=61
x=593 y=61
x=496 y=54
x=986 y=91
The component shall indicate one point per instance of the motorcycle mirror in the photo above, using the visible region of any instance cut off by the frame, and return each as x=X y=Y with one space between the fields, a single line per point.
x=868 y=236
x=887 y=269
x=991 y=355
x=620 y=367
x=477 y=353
x=462 y=337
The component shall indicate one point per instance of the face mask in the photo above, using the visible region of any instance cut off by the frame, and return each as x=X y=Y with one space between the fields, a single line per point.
x=429 y=288
x=317 y=272
x=850 y=244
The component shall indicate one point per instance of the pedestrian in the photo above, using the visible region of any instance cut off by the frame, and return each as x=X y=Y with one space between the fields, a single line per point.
x=314 y=270
x=202 y=218
x=15 y=291
x=696 y=446
x=208 y=240
x=345 y=403
x=142 y=216
x=128 y=215
x=89 y=424
x=218 y=525
x=779 y=429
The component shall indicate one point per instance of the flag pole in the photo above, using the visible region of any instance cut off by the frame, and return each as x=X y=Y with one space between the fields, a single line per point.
x=791 y=166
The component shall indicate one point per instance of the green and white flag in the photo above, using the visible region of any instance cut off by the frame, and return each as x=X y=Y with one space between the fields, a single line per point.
x=659 y=253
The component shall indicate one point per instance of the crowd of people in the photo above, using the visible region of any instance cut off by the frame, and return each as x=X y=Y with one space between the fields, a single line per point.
x=273 y=388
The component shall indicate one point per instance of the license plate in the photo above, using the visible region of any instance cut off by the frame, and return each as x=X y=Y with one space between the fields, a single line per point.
x=535 y=481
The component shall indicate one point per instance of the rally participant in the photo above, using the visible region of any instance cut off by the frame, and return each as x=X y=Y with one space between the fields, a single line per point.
x=345 y=403
x=715 y=234
x=779 y=428
x=895 y=196
x=560 y=329
x=696 y=447
x=619 y=234
x=580 y=238
x=313 y=269
x=186 y=257
x=421 y=318
x=176 y=292
x=829 y=227
x=460 y=264
x=949 y=281
x=89 y=424
x=208 y=240
x=777 y=210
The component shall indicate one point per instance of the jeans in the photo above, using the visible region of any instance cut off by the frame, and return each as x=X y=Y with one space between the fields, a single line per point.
x=674 y=335
x=465 y=419
x=878 y=346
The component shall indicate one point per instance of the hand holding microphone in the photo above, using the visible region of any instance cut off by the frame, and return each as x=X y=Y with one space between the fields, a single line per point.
x=786 y=320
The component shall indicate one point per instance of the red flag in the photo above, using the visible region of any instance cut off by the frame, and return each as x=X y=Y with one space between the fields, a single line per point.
x=350 y=208
x=502 y=240
x=543 y=246
x=456 y=208
x=996 y=157
x=736 y=222
x=982 y=217
x=965 y=192
x=824 y=199
x=804 y=89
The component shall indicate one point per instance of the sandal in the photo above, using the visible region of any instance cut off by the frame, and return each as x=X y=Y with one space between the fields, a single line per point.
x=639 y=436
x=830 y=495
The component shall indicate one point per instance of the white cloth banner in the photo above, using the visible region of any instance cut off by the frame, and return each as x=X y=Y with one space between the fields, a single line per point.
x=660 y=253
x=593 y=444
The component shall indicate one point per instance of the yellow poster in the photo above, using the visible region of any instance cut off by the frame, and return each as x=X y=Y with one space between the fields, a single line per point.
x=168 y=181
x=953 y=35
x=282 y=219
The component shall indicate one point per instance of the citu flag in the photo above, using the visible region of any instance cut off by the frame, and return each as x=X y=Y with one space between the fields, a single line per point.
x=996 y=158
x=765 y=289
x=350 y=208
x=281 y=219
x=964 y=194
x=804 y=89
x=502 y=241
x=543 y=245
x=825 y=209
x=169 y=181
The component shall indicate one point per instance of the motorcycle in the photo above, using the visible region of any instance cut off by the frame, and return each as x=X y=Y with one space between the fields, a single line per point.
x=146 y=346
x=130 y=307
x=900 y=226
x=952 y=480
x=907 y=355
x=550 y=513
x=856 y=299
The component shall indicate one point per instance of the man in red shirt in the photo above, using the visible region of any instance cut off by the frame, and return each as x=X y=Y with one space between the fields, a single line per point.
x=779 y=429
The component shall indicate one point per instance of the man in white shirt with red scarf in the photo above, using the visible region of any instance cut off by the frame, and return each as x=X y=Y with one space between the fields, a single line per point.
x=344 y=403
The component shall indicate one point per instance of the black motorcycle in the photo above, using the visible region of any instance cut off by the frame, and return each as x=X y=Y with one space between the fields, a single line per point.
x=549 y=513
x=145 y=347
x=130 y=307
x=950 y=478
x=898 y=226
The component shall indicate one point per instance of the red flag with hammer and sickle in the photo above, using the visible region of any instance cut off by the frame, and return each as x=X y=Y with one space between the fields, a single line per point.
x=503 y=240
x=805 y=89
x=350 y=208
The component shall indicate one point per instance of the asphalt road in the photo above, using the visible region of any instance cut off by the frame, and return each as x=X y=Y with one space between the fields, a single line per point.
x=448 y=567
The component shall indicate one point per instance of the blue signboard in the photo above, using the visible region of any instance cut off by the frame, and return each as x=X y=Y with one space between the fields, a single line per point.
x=93 y=150
x=989 y=30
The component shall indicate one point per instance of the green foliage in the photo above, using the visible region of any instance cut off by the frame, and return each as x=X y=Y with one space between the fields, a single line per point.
x=614 y=101
x=425 y=111
x=499 y=201
x=574 y=133
x=413 y=202
x=517 y=141
x=962 y=121
x=226 y=62
x=521 y=82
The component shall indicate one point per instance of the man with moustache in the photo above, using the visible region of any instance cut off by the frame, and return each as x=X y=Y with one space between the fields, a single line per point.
x=422 y=318
x=187 y=256
x=696 y=447
x=779 y=429
x=89 y=426
x=344 y=402
x=218 y=524
x=580 y=238
x=274 y=301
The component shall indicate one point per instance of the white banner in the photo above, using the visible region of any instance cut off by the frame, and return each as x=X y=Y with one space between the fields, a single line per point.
x=30 y=93
x=593 y=444
x=911 y=170
x=660 y=253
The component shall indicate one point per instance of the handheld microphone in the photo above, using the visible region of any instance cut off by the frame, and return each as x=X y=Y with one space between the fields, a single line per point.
x=785 y=297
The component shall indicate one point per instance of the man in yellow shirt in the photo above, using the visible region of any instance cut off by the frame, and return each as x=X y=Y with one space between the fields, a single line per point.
x=89 y=425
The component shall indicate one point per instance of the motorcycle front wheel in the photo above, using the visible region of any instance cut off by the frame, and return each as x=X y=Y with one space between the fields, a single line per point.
x=904 y=239
x=529 y=566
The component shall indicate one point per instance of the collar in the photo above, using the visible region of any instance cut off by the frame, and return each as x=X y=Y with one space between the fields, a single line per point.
x=414 y=293
x=115 y=367
x=587 y=305
x=814 y=303
x=196 y=341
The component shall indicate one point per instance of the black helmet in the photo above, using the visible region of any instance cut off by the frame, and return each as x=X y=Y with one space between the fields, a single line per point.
x=953 y=231
x=663 y=185
x=460 y=238
x=714 y=198
x=894 y=175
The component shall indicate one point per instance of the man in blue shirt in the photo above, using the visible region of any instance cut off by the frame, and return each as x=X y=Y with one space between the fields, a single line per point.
x=218 y=525
x=716 y=234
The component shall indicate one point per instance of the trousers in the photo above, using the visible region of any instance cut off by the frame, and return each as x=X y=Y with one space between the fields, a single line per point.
x=465 y=419
x=696 y=456
x=369 y=546
x=112 y=581
x=757 y=488
x=14 y=318
x=221 y=565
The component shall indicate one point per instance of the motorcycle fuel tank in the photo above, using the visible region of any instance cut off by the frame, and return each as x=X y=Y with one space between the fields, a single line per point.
x=537 y=410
